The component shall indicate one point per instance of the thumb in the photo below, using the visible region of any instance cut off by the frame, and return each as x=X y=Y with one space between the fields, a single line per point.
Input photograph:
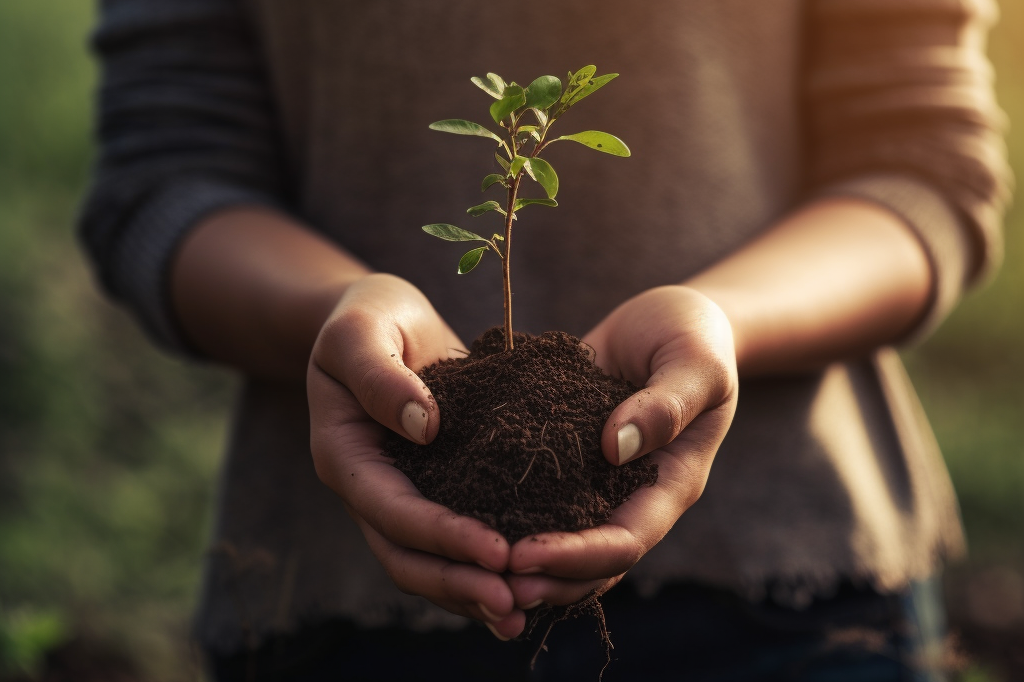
x=690 y=370
x=375 y=356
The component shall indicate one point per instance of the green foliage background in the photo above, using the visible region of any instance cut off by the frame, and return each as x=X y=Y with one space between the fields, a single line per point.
x=108 y=449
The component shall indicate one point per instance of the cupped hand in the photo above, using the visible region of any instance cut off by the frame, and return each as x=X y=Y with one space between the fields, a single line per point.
x=361 y=379
x=678 y=345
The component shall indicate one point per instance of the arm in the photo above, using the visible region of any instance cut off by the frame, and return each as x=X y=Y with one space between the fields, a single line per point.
x=911 y=182
x=832 y=280
x=185 y=225
x=255 y=289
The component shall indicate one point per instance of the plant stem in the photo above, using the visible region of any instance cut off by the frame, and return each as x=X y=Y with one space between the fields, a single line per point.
x=506 y=281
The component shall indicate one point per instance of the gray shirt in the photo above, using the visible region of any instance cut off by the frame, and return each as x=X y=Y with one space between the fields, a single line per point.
x=736 y=112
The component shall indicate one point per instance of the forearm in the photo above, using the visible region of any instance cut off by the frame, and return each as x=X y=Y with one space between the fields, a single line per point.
x=252 y=288
x=830 y=281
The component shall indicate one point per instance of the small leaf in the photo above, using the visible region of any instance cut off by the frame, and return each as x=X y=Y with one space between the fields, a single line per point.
x=527 y=129
x=502 y=161
x=543 y=92
x=541 y=171
x=484 y=208
x=459 y=126
x=513 y=98
x=497 y=80
x=491 y=179
x=590 y=87
x=577 y=81
x=602 y=142
x=517 y=165
x=450 y=233
x=497 y=237
x=542 y=117
x=527 y=202
x=493 y=85
x=471 y=259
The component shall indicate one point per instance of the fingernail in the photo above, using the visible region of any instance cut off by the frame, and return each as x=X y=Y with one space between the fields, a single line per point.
x=414 y=421
x=533 y=604
x=630 y=440
x=487 y=613
x=496 y=633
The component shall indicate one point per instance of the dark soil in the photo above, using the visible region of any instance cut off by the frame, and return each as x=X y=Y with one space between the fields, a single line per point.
x=520 y=440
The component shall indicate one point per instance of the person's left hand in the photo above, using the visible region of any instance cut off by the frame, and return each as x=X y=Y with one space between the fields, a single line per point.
x=678 y=344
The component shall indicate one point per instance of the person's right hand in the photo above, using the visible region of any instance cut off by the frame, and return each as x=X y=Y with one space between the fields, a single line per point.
x=361 y=376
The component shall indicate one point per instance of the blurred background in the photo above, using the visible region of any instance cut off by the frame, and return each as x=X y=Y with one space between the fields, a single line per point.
x=108 y=449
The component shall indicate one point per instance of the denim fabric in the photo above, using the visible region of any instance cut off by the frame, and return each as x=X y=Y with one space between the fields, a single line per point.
x=686 y=632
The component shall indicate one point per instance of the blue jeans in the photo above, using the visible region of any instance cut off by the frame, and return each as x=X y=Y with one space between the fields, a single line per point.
x=685 y=632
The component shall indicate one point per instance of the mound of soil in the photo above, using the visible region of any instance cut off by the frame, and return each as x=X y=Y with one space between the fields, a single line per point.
x=520 y=440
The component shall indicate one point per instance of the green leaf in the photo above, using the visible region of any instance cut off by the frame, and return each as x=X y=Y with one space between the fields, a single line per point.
x=590 y=87
x=471 y=259
x=541 y=171
x=499 y=83
x=450 y=233
x=513 y=98
x=577 y=81
x=602 y=142
x=527 y=202
x=498 y=237
x=484 y=208
x=517 y=165
x=543 y=92
x=493 y=85
x=502 y=161
x=492 y=179
x=459 y=126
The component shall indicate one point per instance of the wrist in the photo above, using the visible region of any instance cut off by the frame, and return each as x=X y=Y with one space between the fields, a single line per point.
x=252 y=287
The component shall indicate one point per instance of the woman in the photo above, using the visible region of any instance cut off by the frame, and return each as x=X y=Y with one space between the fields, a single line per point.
x=810 y=183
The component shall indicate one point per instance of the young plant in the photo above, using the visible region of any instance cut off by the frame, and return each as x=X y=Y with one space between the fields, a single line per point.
x=545 y=101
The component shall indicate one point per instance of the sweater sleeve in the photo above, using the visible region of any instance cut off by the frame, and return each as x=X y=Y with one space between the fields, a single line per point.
x=185 y=127
x=901 y=113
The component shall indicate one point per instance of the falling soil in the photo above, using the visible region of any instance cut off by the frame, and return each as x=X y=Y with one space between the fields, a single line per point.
x=520 y=446
x=520 y=440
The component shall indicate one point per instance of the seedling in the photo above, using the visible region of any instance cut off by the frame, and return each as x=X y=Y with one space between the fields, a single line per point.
x=545 y=100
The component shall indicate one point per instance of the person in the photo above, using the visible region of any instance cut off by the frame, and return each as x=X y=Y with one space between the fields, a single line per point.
x=811 y=183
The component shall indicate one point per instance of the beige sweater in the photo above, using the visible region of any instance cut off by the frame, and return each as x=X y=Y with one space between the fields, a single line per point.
x=736 y=112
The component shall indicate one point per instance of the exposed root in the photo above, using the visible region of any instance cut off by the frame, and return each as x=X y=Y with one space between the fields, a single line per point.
x=558 y=466
x=589 y=607
x=530 y=466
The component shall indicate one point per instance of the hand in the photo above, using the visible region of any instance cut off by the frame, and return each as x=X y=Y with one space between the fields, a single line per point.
x=361 y=376
x=677 y=344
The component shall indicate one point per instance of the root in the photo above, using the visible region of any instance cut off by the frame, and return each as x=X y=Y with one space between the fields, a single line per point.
x=589 y=607
x=558 y=466
x=530 y=466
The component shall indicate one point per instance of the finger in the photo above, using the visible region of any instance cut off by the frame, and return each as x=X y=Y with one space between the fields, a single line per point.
x=346 y=446
x=687 y=377
x=369 y=359
x=374 y=344
x=530 y=591
x=460 y=588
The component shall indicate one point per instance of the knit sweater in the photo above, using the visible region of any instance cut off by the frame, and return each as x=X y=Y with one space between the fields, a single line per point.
x=737 y=112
